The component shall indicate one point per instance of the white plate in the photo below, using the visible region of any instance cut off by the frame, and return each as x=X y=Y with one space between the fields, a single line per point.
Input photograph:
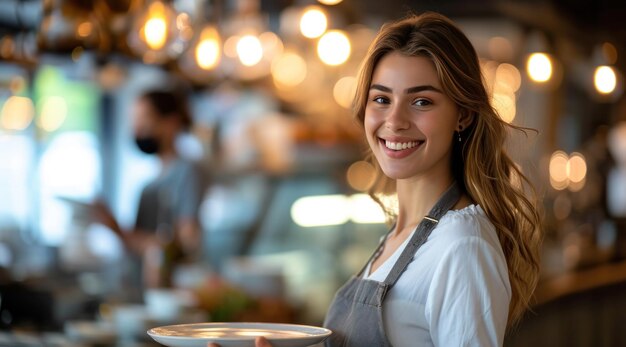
x=238 y=334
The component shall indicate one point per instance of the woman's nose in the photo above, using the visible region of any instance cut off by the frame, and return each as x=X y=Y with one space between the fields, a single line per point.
x=397 y=119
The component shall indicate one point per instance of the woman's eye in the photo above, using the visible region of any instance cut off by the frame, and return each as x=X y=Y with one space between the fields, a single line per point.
x=422 y=102
x=380 y=100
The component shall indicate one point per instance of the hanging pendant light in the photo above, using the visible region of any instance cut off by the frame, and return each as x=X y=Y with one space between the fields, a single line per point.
x=159 y=34
x=201 y=61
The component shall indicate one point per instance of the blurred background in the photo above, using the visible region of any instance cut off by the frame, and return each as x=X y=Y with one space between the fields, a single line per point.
x=284 y=219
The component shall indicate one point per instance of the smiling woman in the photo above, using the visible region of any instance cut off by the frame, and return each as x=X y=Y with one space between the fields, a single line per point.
x=461 y=261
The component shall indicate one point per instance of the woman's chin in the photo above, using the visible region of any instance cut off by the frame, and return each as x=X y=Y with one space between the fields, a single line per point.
x=396 y=174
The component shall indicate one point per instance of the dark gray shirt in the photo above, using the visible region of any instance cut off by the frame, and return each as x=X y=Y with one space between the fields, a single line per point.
x=173 y=196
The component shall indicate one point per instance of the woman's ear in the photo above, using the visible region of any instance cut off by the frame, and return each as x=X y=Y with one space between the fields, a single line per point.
x=465 y=120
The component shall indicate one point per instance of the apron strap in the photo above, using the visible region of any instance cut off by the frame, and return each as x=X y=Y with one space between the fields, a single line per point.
x=426 y=226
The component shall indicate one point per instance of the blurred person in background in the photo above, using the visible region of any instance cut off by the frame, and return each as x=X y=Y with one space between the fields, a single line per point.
x=461 y=261
x=166 y=229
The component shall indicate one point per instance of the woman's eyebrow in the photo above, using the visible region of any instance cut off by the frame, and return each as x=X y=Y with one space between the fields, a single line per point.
x=410 y=90
x=418 y=89
x=381 y=88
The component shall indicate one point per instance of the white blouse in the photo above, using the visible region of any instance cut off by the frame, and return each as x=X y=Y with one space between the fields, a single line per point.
x=455 y=292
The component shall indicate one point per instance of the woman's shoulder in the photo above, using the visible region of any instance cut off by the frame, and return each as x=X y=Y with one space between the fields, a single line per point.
x=465 y=239
x=465 y=224
x=471 y=218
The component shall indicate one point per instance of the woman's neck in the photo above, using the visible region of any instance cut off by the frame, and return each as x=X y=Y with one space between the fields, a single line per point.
x=417 y=196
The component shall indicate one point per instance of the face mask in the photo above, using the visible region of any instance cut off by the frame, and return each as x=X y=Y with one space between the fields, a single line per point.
x=147 y=144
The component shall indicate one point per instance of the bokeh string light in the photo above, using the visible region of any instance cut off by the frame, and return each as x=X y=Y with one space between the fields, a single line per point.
x=159 y=33
x=567 y=171
x=53 y=113
x=208 y=51
x=539 y=67
x=334 y=48
x=330 y=2
x=344 y=90
x=313 y=23
x=17 y=113
x=605 y=79
x=249 y=50
x=289 y=70
x=154 y=31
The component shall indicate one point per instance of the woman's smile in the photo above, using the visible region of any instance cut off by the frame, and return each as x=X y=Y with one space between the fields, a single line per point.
x=398 y=149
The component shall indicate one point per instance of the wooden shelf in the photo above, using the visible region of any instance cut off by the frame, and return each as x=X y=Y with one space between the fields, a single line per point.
x=579 y=281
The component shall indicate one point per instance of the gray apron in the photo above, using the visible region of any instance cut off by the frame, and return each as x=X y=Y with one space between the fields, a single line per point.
x=355 y=316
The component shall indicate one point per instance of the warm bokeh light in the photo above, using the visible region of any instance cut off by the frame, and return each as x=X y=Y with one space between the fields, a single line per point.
x=504 y=103
x=488 y=69
x=182 y=20
x=539 y=67
x=568 y=171
x=576 y=168
x=313 y=22
x=605 y=79
x=249 y=50
x=327 y=210
x=361 y=175
x=507 y=77
x=364 y=210
x=344 y=90
x=17 y=113
x=330 y=2
x=183 y=23
x=272 y=45
x=289 y=70
x=312 y=84
x=558 y=170
x=334 y=48
x=155 y=29
x=84 y=29
x=53 y=113
x=208 y=50
x=323 y=210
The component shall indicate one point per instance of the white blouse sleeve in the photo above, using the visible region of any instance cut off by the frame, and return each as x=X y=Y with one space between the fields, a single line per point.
x=468 y=300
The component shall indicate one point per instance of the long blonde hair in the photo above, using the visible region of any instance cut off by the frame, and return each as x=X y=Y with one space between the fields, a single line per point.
x=479 y=163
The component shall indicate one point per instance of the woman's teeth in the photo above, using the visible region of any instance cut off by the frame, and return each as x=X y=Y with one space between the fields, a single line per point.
x=397 y=146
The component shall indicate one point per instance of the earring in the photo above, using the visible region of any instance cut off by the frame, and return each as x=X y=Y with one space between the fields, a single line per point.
x=459 y=133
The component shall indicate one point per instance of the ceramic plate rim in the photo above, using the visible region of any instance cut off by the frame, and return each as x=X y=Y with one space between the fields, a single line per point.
x=324 y=332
